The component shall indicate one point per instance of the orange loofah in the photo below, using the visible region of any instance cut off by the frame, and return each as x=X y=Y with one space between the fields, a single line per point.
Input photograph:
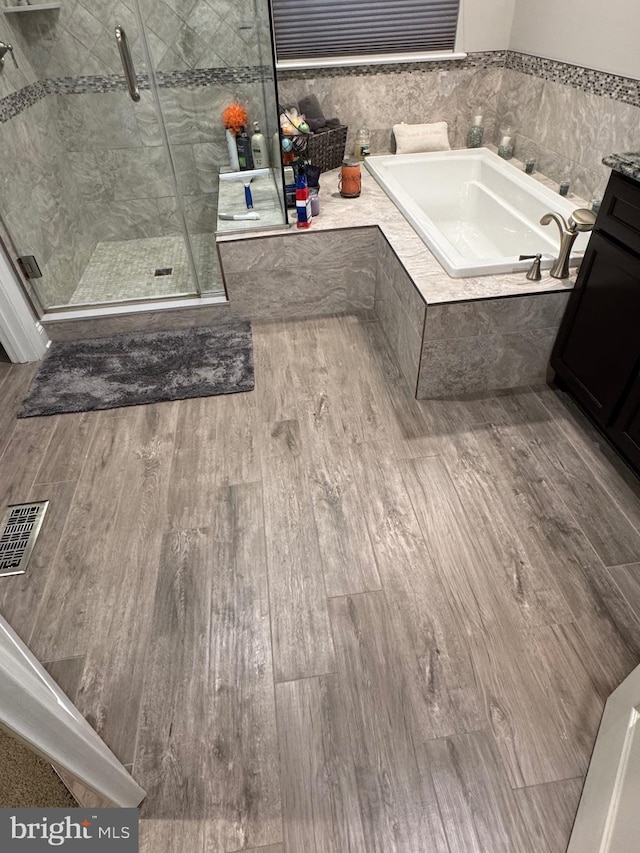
x=235 y=117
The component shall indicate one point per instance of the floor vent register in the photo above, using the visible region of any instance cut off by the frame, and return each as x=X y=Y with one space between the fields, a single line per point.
x=18 y=533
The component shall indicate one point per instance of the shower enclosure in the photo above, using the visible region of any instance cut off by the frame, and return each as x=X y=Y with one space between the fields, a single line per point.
x=112 y=144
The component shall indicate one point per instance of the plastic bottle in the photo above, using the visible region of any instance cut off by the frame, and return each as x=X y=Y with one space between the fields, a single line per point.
x=315 y=200
x=233 y=150
x=243 y=143
x=363 y=143
x=303 y=202
x=259 y=148
x=476 y=132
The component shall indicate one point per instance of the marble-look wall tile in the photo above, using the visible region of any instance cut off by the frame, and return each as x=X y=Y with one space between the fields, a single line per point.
x=201 y=213
x=64 y=268
x=400 y=314
x=519 y=106
x=299 y=275
x=380 y=101
x=567 y=130
x=396 y=277
x=403 y=338
x=354 y=249
x=495 y=316
x=125 y=219
x=153 y=320
x=208 y=158
x=488 y=362
x=148 y=120
x=284 y=295
x=83 y=176
x=132 y=173
x=97 y=122
x=250 y=256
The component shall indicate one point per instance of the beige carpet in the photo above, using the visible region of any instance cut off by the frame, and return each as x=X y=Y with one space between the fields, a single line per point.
x=26 y=780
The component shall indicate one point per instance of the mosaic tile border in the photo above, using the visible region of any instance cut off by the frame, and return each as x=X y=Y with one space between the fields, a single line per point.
x=613 y=86
x=191 y=79
x=624 y=89
x=15 y=103
x=12 y=105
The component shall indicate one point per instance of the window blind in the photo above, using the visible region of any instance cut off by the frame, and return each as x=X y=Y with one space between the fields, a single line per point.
x=305 y=29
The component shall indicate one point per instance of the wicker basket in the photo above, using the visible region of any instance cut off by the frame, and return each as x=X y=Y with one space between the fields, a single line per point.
x=326 y=149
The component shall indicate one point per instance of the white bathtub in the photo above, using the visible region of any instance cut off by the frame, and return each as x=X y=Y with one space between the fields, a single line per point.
x=476 y=212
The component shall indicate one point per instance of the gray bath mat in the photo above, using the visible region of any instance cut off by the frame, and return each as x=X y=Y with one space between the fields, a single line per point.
x=129 y=370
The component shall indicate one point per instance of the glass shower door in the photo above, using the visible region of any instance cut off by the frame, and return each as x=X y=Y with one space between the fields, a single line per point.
x=116 y=199
x=208 y=54
x=87 y=185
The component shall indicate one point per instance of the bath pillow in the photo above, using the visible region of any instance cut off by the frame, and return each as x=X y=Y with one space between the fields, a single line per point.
x=413 y=138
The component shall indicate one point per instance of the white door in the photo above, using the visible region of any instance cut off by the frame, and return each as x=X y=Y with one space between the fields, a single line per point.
x=608 y=819
x=35 y=710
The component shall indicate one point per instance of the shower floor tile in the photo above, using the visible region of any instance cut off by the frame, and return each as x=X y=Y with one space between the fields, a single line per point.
x=125 y=270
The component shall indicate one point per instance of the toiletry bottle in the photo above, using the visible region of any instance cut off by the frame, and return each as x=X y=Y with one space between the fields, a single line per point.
x=233 y=150
x=314 y=198
x=243 y=143
x=303 y=202
x=259 y=148
x=363 y=143
x=476 y=132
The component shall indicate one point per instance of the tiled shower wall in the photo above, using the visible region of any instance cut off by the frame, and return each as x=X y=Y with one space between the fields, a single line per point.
x=39 y=200
x=84 y=163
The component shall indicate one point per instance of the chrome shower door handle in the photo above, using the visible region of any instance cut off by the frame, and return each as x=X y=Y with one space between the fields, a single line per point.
x=127 y=64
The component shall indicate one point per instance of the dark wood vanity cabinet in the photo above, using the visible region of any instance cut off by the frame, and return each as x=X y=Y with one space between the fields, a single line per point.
x=625 y=430
x=597 y=351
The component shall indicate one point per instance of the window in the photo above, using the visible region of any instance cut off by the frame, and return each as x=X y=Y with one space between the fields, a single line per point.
x=313 y=30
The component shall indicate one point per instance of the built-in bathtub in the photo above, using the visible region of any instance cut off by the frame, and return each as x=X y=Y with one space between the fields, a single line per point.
x=475 y=211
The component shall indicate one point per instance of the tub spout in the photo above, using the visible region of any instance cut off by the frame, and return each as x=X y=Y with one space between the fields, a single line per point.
x=579 y=221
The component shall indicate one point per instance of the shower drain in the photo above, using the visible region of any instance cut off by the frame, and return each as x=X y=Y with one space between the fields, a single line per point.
x=18 y=533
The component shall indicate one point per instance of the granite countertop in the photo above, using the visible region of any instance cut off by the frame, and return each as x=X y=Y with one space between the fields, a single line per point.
x=374 y=207
x=627 y=163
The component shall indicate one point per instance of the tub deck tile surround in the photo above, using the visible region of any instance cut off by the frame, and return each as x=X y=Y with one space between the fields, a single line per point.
x=448 y=335
x=375 y=209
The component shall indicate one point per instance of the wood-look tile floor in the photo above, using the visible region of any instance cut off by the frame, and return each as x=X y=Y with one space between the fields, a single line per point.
x=323 y=617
